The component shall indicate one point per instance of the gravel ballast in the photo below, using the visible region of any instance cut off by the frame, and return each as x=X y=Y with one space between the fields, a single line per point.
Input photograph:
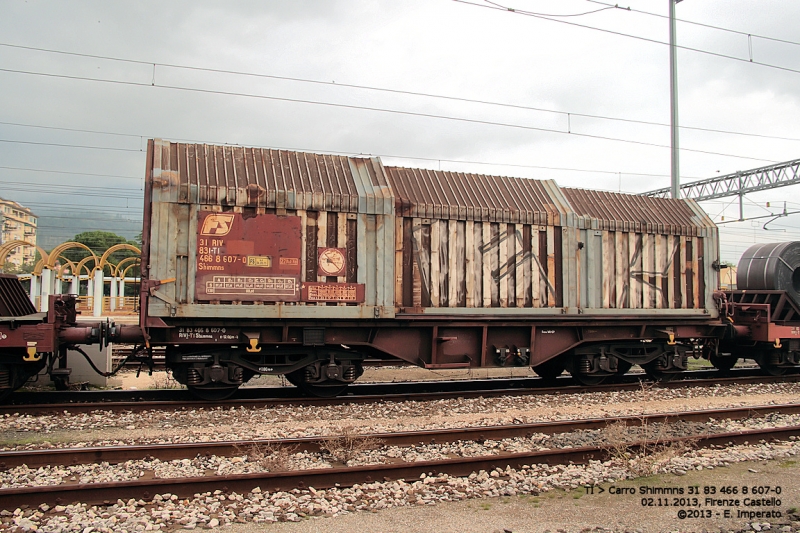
x=106 y=428
x=355 y=452
x=210 y=510
x=296 y=509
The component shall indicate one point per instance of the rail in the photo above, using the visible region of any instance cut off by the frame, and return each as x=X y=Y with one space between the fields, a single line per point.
x=42 y=402
x=147 y=489
x=169 y=452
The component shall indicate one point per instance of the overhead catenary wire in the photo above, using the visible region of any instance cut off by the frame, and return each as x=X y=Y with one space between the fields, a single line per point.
x=762 y=236
x=84 y=227
x=388 y=90
x=576 y=14
x=101 y=219
x=364 y=108
x=362 y=154
x=701 y=24
x=76 y=193
x=67 y=129
x=348 y=153
x=432 y=159
x=64 y=145
x=69 y=186
x=461 y=161
x=88 y=174
x=754 y=235
x=117 y=222
x=117 y=209
x=745 y=230
x=515 y=11
x=727 y=224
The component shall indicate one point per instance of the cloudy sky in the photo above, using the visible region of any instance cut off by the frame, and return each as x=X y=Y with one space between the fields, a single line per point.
x=85 y=84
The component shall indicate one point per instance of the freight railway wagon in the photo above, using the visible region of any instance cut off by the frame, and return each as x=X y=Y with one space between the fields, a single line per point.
x=259 y=261
x=273 y=262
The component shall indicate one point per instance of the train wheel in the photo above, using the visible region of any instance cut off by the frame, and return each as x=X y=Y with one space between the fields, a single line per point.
x=550 y=369
x=723 y=363
x=656 y=373
x=589 y=379
x=213 y=394
x=329 y=389
x=294 y=378
x=769 y=361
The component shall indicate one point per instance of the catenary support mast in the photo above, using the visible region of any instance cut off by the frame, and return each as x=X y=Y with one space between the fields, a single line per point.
x=673 y=102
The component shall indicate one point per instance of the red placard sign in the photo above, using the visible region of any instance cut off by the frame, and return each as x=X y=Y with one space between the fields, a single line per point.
x=333 y=292
x=254 y=258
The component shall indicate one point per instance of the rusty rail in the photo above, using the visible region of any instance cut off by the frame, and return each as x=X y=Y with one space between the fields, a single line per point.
x=107 y=493
x=168 y=452
x=141 y=400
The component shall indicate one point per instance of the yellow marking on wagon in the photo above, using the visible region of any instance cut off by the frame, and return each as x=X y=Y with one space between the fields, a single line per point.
x=261 y=261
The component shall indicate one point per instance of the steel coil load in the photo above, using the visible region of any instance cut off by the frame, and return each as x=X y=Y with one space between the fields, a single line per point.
x=773 y=266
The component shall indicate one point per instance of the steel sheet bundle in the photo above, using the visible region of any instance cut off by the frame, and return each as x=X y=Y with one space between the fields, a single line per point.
x=773 y=266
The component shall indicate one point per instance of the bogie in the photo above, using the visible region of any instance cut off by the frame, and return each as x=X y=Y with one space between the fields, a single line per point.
x=215 y=374
x=773 y=362
x=668 y=365
x=326 y=379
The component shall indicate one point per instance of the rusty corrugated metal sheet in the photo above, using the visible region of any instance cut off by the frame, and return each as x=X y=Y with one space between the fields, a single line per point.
x=13 y=299
x=375 y=194
x=297 y=202
x=258 y=177
x=455 y=195
x=627 y=212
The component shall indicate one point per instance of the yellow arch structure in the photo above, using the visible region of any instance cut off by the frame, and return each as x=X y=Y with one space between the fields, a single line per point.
x=116 y=248
x=7 y=248
x=49 y=260
x=119 y=265
x=66 y=263
x=77 y=267
x=125 y=272
x=82 y=265
x=57 y=251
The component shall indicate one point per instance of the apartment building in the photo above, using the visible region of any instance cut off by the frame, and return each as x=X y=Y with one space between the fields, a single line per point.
x=18 y=223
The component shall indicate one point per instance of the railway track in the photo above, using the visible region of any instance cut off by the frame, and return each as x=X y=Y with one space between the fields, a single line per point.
x=105 y=493
x=168 y=452
x=43 y=402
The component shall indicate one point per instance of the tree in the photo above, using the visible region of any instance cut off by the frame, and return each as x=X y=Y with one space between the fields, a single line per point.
x=99 y=242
